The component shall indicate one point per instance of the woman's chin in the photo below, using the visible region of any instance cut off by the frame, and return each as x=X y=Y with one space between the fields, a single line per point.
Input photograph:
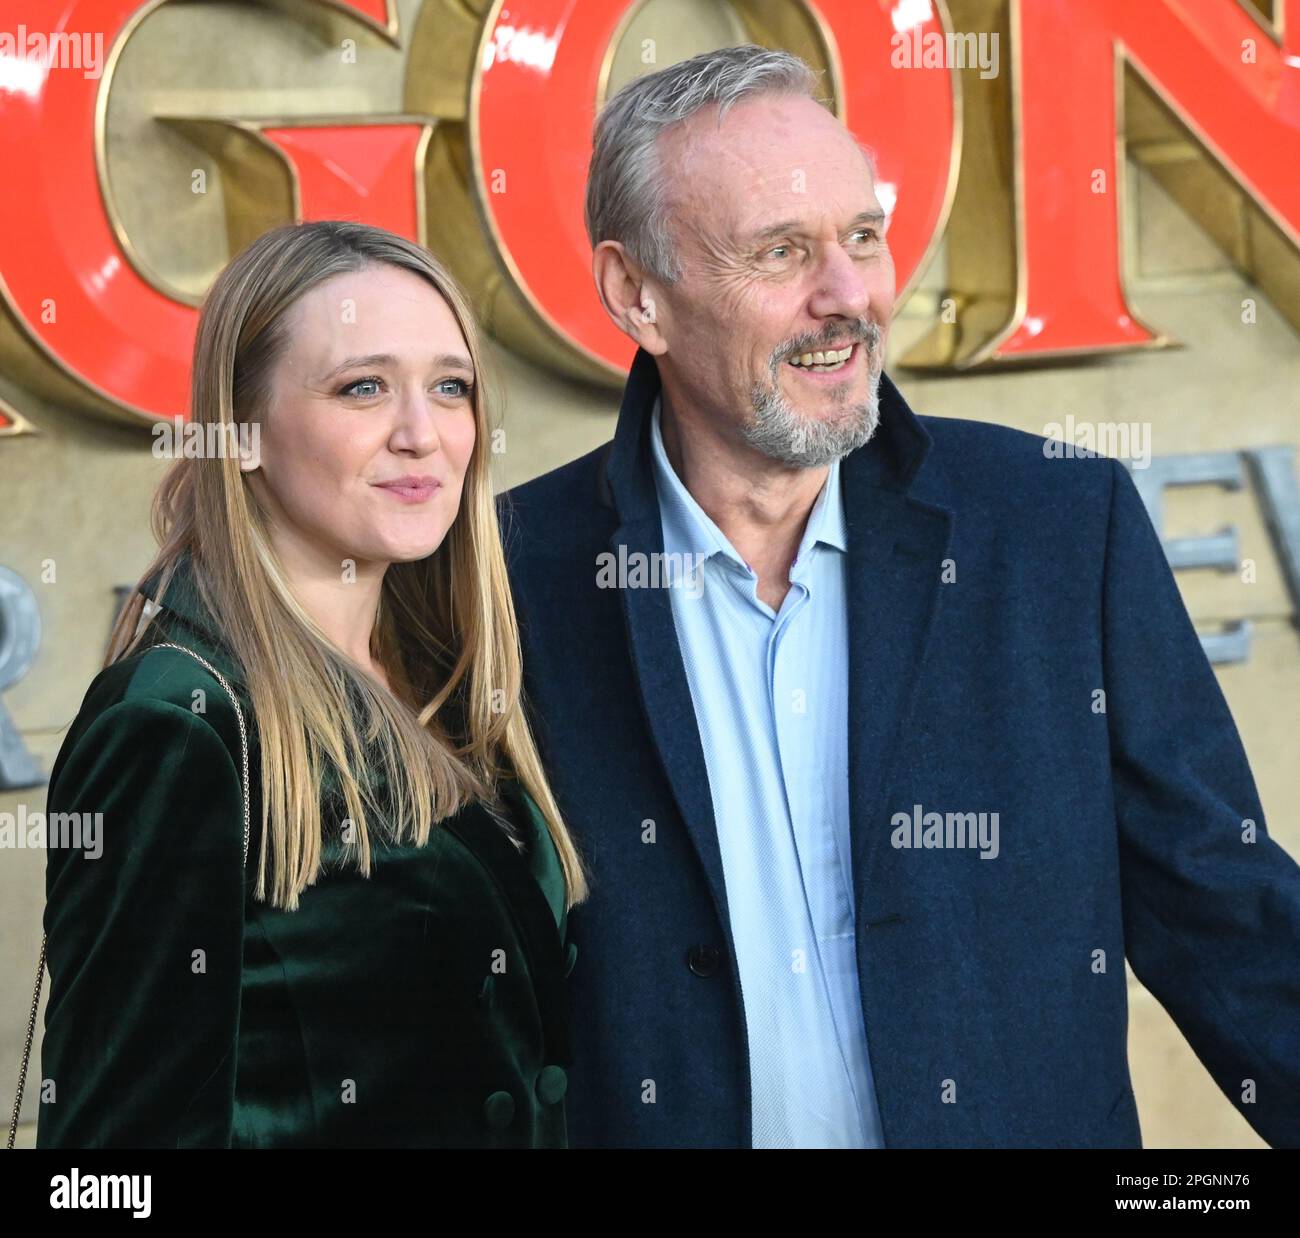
x=406 y=550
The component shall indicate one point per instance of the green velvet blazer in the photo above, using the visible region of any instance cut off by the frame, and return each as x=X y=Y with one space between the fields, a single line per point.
x=424 y=1006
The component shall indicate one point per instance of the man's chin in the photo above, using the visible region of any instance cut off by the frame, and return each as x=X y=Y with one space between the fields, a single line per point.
x=834 y=409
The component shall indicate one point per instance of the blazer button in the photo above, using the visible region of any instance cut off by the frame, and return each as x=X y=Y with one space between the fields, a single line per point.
x=551 y=1084
x=499 y=1110
x=570 y=958
x=703 y=960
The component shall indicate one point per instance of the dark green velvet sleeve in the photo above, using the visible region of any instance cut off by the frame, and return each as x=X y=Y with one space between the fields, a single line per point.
x=145 y=941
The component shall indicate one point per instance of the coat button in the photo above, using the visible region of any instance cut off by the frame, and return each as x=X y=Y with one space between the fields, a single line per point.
x=703 y=960
x=570 y=958
x=551 y=1084
x=499 y=1110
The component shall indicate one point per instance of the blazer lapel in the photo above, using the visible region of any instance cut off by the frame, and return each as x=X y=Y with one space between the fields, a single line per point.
x=666 y=698
x=652 y=635
x=896 y=547
x=527 y=901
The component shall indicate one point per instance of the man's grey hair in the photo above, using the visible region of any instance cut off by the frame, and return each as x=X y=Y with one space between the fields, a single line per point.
x=624 y=184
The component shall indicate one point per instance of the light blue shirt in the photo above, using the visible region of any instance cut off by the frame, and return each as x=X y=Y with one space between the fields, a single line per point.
x=770 y=690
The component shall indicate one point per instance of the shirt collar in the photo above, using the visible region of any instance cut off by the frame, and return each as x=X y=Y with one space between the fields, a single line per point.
x=688 y=528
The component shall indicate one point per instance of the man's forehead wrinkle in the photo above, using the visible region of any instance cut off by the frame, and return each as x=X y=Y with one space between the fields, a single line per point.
x=758 y=161
x=701 y=158
x=732 y=184
x=714 y=238
x=698 y=194
x=699 y=213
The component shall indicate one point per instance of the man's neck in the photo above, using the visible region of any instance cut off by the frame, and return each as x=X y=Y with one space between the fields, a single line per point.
x=760 y=505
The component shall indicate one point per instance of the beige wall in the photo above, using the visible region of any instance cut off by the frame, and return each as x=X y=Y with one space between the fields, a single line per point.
x=78 y=491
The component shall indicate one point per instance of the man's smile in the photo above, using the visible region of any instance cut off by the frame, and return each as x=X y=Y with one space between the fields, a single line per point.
x=837 y=362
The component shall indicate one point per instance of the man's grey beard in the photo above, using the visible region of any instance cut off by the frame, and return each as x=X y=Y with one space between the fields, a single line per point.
x=808 y=443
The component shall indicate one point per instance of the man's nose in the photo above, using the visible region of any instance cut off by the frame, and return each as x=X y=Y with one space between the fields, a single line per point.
x=841 y=288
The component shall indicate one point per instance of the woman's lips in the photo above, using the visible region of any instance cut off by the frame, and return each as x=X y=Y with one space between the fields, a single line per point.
x=410 y=489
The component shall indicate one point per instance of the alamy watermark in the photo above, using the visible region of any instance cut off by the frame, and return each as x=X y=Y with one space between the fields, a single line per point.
x=59 y=49
x=917 y=49
x=175 y=438
x=76 y=831
x=90 y=1190
x=921 y=831
x=658 y=570
x=1125 y=440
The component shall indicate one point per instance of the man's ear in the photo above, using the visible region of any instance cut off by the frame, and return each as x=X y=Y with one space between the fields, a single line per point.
x=628 y=296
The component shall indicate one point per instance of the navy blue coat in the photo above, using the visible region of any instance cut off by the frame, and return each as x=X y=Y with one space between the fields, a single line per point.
x=993 y=993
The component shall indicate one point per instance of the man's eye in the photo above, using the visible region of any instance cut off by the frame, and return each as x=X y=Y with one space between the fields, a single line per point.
x=350 y=389
x=778 y=251
x=462 y=388
x=867 y=234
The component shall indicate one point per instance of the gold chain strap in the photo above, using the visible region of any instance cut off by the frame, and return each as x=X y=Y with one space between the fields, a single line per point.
x=40 y=966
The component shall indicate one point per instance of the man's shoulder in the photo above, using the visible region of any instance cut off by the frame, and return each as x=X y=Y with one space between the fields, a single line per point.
x=552 y=514
x=576 y=481
x=971 y=459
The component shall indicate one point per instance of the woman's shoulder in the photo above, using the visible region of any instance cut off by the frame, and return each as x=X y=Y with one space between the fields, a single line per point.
x=168 y=672
x=160 y=700
x=159 y=773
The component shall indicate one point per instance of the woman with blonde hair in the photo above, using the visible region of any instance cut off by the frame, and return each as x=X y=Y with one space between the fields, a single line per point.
x=330 y=900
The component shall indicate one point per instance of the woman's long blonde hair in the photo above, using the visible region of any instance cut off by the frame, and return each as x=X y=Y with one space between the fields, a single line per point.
x=446 y=628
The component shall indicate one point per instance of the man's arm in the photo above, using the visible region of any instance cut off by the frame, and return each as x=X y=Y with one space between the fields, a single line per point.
x=1211 y=918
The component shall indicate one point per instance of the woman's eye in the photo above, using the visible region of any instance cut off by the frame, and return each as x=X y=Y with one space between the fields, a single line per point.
x=461 y=388
x=351 y=388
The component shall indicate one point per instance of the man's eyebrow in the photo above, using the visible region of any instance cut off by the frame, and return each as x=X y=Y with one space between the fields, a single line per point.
x=449 y=360
x=869 y=217
x=793 y=225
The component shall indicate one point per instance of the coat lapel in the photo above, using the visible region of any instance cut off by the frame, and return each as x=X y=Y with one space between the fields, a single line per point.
x=666 y=697
x=896 y=550
x=652 y=634
x=527 y=902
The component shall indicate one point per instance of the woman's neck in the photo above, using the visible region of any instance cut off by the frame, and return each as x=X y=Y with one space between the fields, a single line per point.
x=340 y=595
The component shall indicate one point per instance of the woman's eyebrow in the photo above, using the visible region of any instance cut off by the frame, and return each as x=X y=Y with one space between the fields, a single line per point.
x=453 y=360
x=348 y=363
